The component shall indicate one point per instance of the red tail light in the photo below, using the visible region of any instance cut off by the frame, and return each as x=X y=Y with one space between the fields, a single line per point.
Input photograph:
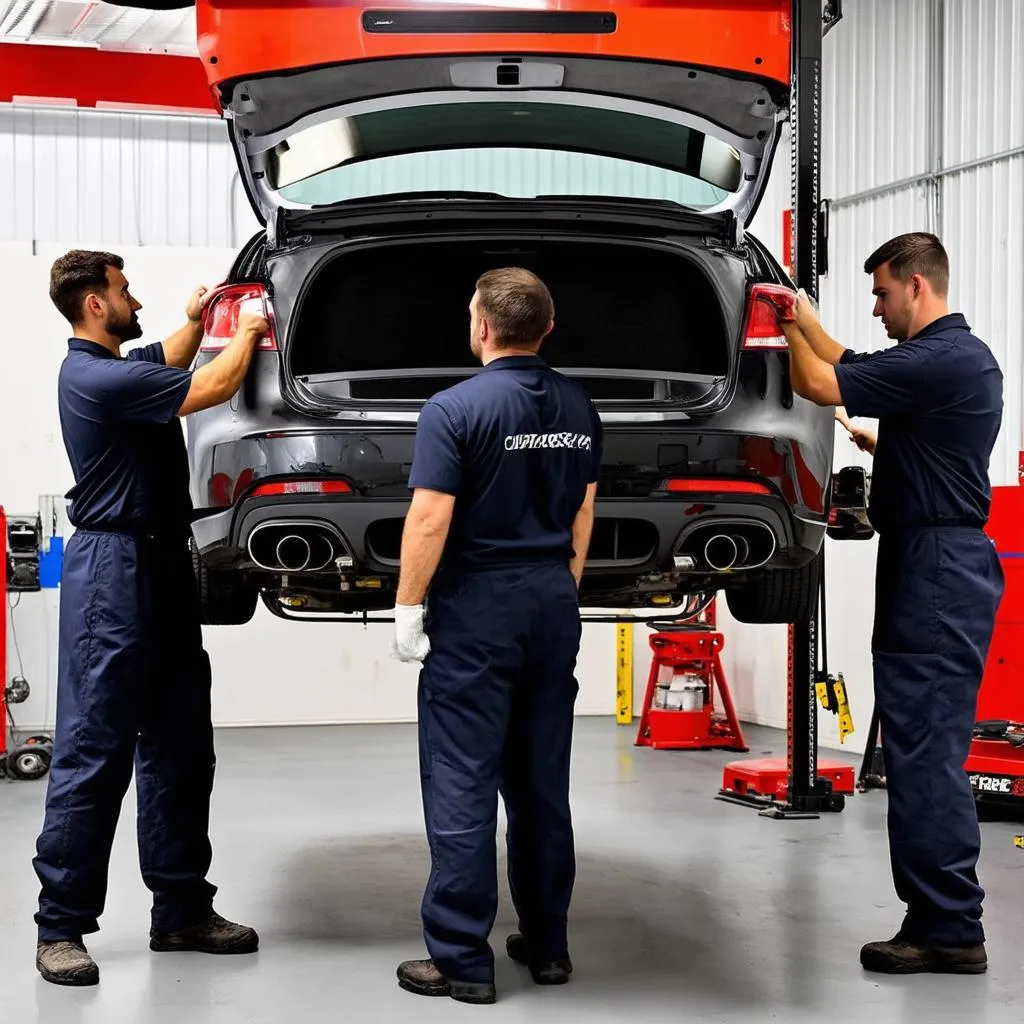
x=302 y=487
x=221 y=318
x=762 y=332
x=697 y=485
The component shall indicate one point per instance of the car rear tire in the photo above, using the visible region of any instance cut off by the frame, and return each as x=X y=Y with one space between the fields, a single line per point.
x=224 y=598
x=779 y=595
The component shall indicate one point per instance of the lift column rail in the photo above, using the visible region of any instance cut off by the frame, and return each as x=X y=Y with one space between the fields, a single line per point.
x=808 y=794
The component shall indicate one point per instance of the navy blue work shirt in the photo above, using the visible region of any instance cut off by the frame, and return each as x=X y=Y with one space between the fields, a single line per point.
x=125 y=443
x=938 y=398
x=516 y=444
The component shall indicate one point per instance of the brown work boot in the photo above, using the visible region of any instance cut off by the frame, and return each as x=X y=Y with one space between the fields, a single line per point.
x=424 y=979
x=66 y=963
x=901 y=956
x=214 y=935
x=554 y=972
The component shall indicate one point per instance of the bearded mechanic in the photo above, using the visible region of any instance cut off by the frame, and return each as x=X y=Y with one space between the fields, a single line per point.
x=133 y=681
x=504 y=477
x=938 y=397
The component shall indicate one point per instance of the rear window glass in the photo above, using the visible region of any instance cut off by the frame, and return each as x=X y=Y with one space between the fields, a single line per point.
x=521 y=149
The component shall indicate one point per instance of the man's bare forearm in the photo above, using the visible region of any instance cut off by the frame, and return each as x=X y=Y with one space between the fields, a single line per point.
x=812 y=377
x=220 y=378
x=423 y=541
x=181 y=347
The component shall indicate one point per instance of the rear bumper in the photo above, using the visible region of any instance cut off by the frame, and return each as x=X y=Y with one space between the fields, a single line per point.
x=371 y=529
x=632 y=553
x=639 y=527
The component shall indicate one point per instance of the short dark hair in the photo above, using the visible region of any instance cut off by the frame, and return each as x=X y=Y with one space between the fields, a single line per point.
x=913 y=253
x=77 y=273
x=517 y=304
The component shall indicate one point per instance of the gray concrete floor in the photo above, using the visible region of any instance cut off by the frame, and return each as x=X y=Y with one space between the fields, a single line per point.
x=686 y=908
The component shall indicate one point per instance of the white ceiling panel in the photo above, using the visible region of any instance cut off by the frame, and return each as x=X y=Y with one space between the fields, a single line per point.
x=96 y=24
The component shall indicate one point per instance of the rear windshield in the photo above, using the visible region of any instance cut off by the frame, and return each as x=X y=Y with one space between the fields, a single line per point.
x=516 y=149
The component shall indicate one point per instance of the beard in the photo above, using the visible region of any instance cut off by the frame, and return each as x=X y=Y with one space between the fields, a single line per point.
x=125 y=329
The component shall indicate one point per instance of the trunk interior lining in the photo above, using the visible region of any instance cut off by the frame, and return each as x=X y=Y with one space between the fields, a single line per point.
x=617 y=307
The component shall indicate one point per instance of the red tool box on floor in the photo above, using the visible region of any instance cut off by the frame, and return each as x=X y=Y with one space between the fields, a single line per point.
x=996 y=765
x=679 y=709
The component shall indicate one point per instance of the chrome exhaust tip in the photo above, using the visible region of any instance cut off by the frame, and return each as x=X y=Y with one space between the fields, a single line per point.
x=721 y=552
x=293 y=552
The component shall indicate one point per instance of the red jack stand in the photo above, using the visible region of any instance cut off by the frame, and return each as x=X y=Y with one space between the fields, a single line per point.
x=687 y=719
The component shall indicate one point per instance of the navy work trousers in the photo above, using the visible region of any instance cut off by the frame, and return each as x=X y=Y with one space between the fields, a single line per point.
x=133 y=686
x=937 y=592
x=496 y=701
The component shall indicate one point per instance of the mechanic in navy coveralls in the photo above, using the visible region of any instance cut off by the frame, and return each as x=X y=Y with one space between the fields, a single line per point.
x=504 y=476
x=938 y=397
x=133 y=677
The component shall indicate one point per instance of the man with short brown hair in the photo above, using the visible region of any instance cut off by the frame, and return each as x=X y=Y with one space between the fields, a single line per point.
x=938 y=397
x=133 y=679
x=503 y=478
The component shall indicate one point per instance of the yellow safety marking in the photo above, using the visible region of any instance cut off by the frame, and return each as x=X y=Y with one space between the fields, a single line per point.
x=624 y=673
x=1018 y=841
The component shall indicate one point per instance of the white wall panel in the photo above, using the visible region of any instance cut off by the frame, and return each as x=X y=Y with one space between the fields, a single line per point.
x=984 y=70
x=876 y=95
x=983 y=215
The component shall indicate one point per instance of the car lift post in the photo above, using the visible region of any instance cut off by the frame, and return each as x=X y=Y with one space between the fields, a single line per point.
x=807 y=794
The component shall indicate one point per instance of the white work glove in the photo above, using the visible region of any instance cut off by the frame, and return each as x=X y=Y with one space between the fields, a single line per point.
x=410 y=643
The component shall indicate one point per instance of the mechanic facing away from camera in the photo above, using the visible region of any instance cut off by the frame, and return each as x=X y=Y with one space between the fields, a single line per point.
x=133 y=677
x=504 y=476
x=937 y=395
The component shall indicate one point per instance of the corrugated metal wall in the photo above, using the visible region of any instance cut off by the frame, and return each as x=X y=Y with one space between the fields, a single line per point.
x=100 y=178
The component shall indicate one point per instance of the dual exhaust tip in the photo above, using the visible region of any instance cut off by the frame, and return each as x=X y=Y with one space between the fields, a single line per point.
x=294 y=547
x=731 y=546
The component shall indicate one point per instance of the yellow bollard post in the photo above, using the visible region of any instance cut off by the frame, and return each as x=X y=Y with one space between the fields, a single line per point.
x=624 y=673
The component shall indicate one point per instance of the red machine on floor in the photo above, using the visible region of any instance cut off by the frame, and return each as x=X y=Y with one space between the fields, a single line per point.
x=30 y=759
x=679 y=709
x=996 y=761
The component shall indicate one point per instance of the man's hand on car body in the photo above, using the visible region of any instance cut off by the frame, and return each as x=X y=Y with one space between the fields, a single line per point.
x=803 y=312
x=197 y=304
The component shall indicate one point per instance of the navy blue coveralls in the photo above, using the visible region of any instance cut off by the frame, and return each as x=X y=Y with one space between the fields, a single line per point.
x=938 y=397
x=133 y=678
x=517 y=445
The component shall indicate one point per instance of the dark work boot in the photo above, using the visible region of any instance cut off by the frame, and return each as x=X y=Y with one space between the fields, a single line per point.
x=214 y=935
x=424 y=979
x=555 y=972
x=66 y=963
x=901 y=956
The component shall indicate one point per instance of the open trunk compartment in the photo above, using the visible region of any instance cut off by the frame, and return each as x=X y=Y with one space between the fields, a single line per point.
x=390 y=322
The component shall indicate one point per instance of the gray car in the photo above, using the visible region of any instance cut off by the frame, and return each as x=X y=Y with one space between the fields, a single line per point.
x=386 y=188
